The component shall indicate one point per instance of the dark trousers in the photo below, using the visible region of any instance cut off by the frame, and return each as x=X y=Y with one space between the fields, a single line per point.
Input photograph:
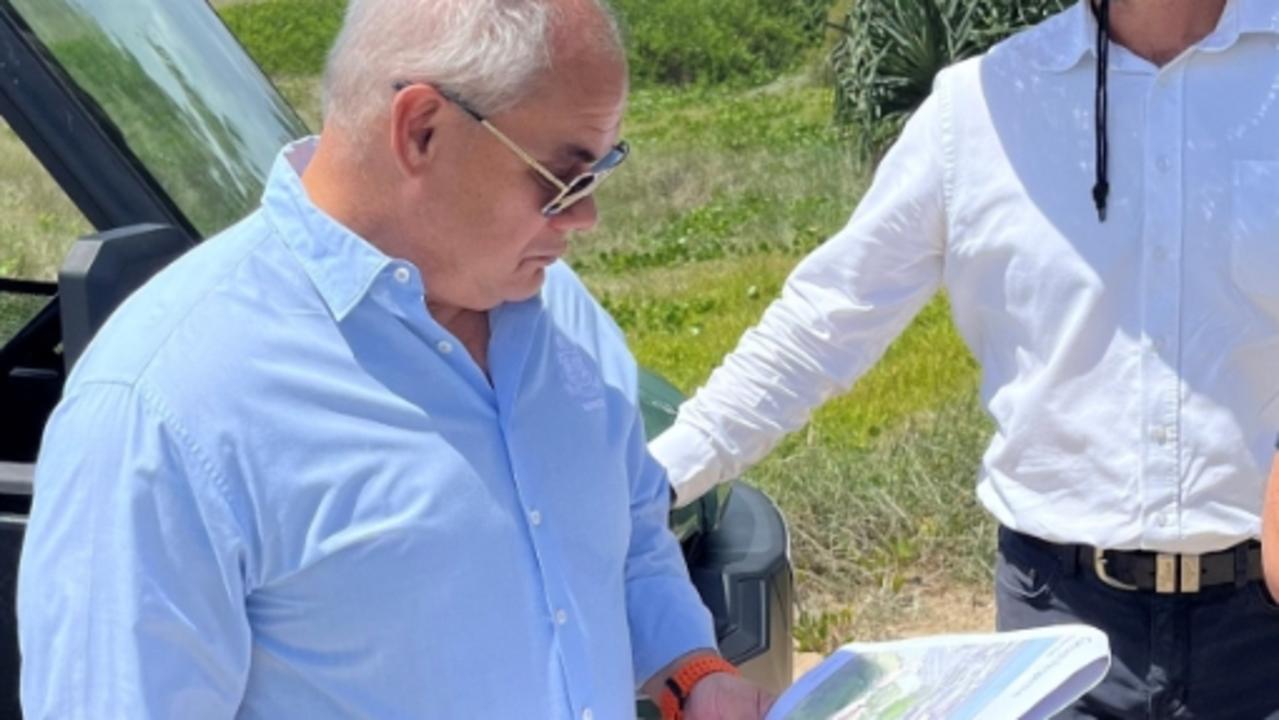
x=1213 y=654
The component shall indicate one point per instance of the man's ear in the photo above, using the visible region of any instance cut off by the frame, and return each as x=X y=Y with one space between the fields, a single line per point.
x=416 y=112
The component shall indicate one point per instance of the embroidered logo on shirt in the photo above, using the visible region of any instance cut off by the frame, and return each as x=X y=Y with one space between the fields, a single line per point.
x=581 y=377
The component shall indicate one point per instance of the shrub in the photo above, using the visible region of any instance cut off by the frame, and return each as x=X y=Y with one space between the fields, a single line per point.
x=286 y=37
x=684 y=42
x=890 y=50
x=670 y=42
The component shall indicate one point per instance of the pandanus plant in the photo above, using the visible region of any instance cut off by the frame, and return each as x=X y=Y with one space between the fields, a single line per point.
x=888 y=52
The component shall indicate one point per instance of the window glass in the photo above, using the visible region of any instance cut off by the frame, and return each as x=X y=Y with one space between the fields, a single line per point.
x=187 y=99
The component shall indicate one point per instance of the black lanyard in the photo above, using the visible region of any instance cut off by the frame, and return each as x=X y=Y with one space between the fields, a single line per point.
x=1101 y=191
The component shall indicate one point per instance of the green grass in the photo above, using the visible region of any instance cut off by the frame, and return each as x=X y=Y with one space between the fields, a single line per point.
x=672 y=42
x=735 y=42
x=38 y=224
x=37 y=221
x=286 y=37
x=718 y=174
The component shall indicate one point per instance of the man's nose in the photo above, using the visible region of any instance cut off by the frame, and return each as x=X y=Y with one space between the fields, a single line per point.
x=581 y=215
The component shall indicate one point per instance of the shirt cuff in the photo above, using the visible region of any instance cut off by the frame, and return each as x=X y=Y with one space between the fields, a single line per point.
x=672 y=623
x=690 y=462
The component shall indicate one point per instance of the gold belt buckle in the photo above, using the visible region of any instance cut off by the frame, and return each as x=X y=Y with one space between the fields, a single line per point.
x=1099 y=566
x=1165 y=573
x=1172 y=573
x=1190 y=573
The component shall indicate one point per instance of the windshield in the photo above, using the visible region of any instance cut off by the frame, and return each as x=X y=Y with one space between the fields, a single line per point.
x=189 y=102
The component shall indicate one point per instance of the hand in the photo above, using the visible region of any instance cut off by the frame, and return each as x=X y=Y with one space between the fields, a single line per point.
x=727 y=697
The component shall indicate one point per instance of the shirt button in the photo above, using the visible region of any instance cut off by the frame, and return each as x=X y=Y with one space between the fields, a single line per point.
x=1163 y=164
x=444 y=346
x=1159 y=435
x=1163 y=520
x=561 y=617
x=535 y=517
x=402 y=275
x=588 y=715
x=1159 y=254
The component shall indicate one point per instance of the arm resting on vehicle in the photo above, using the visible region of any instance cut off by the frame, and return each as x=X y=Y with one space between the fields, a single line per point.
x=131 y=598
x=838 y=312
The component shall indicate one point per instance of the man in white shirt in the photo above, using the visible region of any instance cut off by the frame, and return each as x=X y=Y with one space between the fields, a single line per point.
x=1116 y=273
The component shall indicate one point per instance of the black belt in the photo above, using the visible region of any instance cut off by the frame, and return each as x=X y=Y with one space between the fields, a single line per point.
x=1165 y=573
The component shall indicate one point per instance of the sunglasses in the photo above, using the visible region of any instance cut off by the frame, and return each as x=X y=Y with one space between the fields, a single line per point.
x=568 y=193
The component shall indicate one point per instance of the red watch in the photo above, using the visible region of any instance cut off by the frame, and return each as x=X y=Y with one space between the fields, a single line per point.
x=680 y=684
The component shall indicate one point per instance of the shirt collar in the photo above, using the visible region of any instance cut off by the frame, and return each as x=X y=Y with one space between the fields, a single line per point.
x=1071 y=35
x=1242 y=17
x=1067 y=37
x=340 y=264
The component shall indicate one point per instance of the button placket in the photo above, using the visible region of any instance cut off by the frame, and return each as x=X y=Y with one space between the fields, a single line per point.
x=1162 y=201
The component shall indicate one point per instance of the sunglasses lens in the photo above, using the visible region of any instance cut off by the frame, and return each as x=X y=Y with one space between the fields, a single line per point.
x=585 y=184
x=614 y=158
x=576 y=190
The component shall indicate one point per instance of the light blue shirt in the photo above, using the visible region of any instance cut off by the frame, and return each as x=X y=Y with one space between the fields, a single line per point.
x=277 y=488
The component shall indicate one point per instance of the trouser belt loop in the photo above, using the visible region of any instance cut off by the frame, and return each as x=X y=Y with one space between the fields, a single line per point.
x=1241 y=565
x=1166 y=568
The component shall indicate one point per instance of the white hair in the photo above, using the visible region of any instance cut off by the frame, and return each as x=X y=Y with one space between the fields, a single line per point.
x=486 y=52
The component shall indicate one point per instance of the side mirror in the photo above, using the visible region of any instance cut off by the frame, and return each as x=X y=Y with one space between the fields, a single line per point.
x=103 y=269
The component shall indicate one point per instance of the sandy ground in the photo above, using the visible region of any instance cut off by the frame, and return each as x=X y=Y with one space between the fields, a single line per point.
x=932 y=612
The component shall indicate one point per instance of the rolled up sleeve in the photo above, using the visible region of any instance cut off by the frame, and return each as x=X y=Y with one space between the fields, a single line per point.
x=667 y=617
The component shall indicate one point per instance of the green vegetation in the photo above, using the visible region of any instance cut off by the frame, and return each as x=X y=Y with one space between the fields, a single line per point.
x=37 y=222
x=672 y=42
x=890 y=50
x=286 y=37
x=37 y=226
x=682 y=42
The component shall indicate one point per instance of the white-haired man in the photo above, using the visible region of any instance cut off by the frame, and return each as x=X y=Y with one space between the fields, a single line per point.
x=373 y=452
x=1105 y=219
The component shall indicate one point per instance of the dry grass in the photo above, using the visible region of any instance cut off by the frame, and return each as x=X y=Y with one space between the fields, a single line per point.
x=37 y=222
x=914 y=612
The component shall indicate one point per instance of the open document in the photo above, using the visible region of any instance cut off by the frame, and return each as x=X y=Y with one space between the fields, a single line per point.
x=1024 y=674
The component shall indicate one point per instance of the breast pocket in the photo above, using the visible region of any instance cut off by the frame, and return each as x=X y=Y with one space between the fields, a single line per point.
x=1254 y=231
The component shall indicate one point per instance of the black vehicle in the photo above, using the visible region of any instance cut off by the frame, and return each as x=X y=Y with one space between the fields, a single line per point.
x=161 y=130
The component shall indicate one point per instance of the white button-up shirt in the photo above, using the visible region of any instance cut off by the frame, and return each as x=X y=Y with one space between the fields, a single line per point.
x=1131 y=366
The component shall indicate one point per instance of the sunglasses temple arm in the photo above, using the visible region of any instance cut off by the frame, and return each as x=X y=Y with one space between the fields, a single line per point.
x=510 y=144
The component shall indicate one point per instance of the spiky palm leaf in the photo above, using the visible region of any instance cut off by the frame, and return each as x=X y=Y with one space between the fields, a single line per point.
x=890 y=50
